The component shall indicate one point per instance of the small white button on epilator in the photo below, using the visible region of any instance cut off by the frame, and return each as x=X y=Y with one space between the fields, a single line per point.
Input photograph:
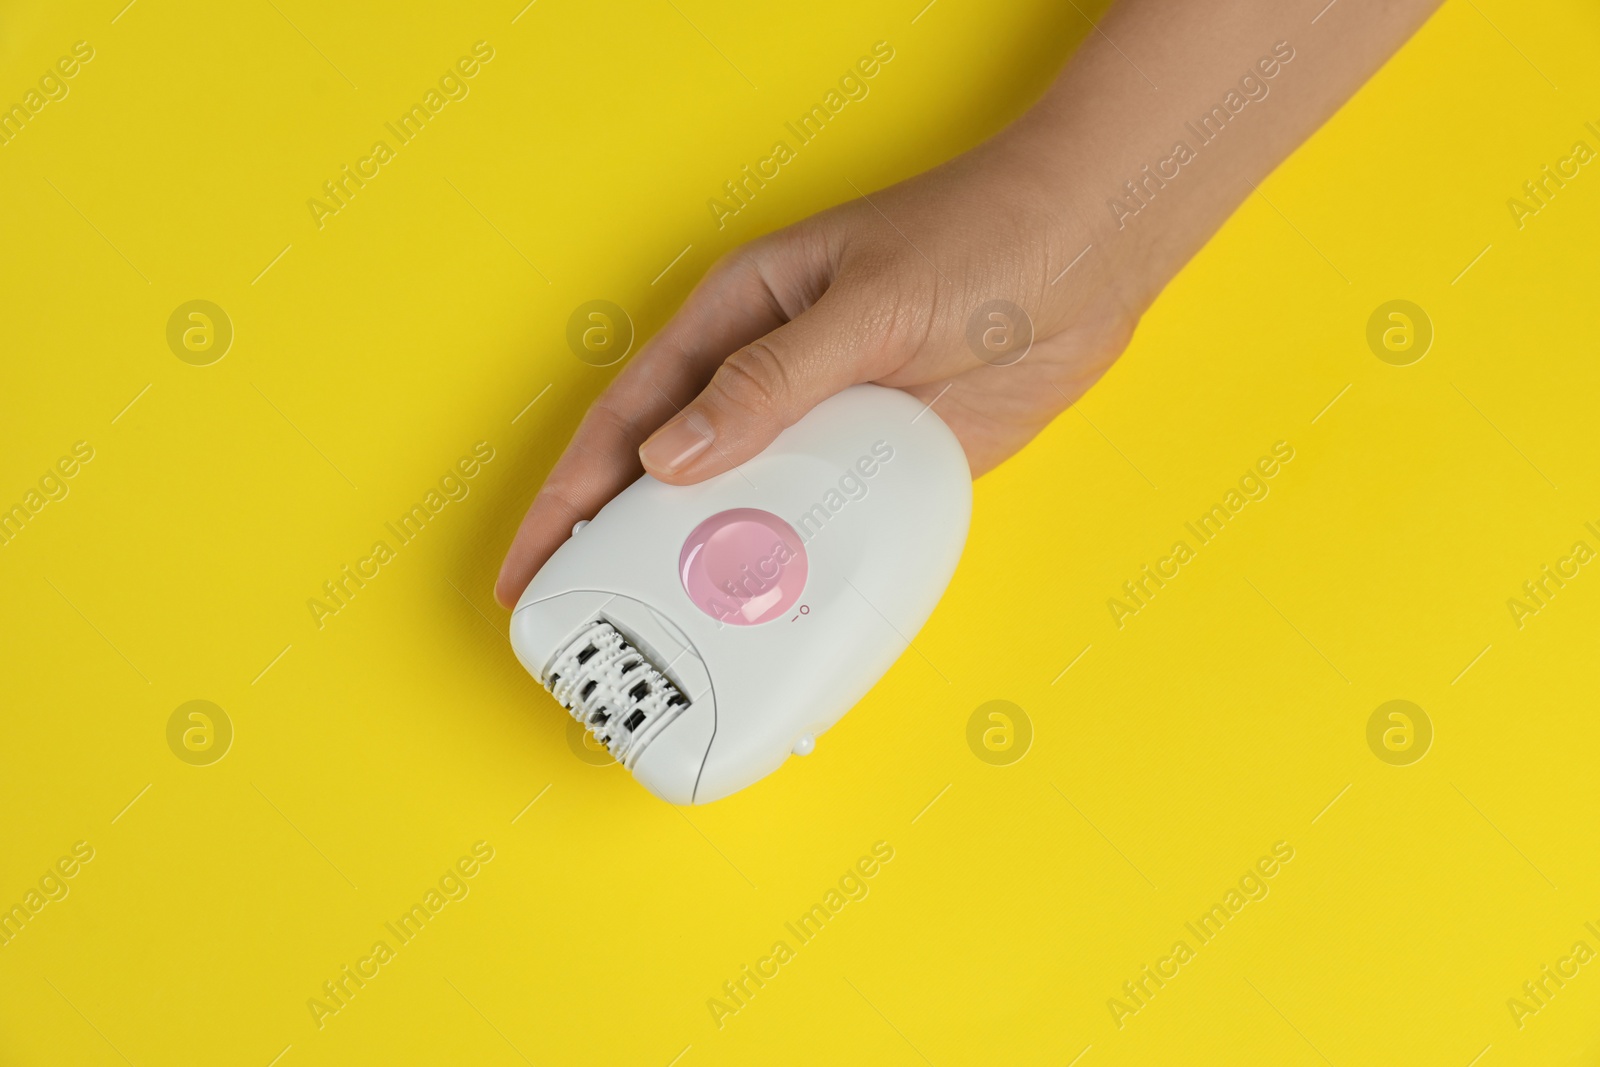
x=580 y=524
x=805 y=746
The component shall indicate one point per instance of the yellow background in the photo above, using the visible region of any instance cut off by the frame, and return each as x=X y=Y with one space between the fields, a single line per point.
x=424 y=317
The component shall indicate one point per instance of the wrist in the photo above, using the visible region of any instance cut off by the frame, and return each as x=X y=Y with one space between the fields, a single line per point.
x=1096 y=275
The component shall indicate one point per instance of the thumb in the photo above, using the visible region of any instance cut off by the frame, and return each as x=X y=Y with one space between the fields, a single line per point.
x=770 y=384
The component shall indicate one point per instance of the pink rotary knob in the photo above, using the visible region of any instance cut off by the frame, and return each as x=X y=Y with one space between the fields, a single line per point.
x=744 y=566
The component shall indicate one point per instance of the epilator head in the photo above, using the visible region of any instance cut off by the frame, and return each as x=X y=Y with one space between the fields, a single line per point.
x=704 y=633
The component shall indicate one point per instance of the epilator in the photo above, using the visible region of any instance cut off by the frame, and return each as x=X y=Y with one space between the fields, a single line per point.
x=705 y=633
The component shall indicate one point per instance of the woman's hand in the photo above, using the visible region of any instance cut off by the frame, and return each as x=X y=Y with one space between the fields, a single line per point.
x=1056 y=230
x=883 y=289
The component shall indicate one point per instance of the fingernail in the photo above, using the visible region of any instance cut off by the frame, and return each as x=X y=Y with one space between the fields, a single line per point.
x=671 y=448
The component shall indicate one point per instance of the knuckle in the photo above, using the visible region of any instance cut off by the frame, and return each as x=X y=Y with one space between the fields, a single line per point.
x=609 y=421
x=729 y=266
x=556 y=499
x=753 y=379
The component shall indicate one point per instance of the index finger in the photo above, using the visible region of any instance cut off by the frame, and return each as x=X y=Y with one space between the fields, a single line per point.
x=730 y=308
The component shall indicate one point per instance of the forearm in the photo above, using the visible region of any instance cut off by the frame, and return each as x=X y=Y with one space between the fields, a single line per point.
x=1169 y=113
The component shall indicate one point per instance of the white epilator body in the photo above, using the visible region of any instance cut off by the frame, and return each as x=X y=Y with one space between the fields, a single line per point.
x=704 y=633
